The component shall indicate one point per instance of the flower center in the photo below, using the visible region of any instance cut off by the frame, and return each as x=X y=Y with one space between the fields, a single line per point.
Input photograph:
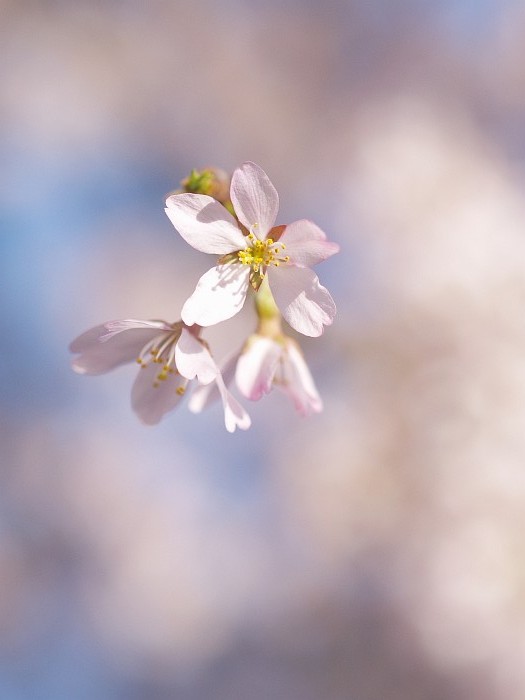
x=161 y=351
x=260 y=254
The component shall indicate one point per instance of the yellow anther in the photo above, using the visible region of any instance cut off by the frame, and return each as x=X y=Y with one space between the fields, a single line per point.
x=161 y=352
x=261 y=253
x=180 y=390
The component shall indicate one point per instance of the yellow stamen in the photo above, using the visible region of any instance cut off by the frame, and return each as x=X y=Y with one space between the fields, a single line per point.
x=161 y=351
x=261 y=254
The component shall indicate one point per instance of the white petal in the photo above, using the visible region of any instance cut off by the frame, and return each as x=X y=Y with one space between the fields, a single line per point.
x=151 y=402
x=204 y=223
x=192 y=359
x=256 y=367
x=99 y=354
x=254 y=198
x=219 y=295
x=204 y=396
x=306 y=244
x=228 y=366
x=234 y=414
x=114 y=327
x=87 y=339
x=296 y=381
x=304 y=303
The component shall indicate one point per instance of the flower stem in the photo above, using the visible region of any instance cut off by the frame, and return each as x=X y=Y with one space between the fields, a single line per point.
x=267 y=312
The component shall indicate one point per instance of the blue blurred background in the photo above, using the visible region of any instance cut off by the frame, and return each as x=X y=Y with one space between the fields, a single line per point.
x=375 y=551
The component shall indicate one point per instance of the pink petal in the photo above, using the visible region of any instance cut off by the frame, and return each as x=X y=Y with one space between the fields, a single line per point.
x=151 y=403
x=295 y=380
x=219 y=295
x=306 y=244
x=204 y=223
x=99 y=354
x=304 y=303
x=256 y=367
x=254 y=198
x=234 y=414
x=192 y=359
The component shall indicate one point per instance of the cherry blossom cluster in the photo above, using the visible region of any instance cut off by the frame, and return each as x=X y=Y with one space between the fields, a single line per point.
x=253 y=257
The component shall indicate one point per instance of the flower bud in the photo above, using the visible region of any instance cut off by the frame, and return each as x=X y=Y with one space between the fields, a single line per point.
x=214 y=182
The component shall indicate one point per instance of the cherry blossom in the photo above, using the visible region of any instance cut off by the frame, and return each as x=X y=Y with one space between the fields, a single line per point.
x=251 y=248
x=169 y=355
x=265 y=363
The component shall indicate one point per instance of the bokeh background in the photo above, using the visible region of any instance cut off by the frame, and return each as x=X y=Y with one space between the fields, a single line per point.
x=373 y=552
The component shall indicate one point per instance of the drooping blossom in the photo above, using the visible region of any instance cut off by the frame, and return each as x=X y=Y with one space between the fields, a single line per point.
x=251 y=247
x=262 y=364
x=265 y=363
x=169 y=355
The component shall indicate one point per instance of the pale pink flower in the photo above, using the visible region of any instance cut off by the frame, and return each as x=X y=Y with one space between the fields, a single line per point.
x=251 y=249
x=263 y=364
x=170 y=355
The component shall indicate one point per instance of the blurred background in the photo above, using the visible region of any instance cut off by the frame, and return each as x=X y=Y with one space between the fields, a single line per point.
x=375 y=551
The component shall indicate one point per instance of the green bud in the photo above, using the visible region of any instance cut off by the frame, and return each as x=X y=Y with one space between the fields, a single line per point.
x=211 y=181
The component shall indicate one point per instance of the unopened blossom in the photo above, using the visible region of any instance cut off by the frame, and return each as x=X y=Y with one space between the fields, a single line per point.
x=262 y=364
x=212 y=181
x=169 y=356
x=251 y=248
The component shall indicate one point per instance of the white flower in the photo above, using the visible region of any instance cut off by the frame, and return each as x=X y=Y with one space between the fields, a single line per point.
x=251 y=250
x=170 y=355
